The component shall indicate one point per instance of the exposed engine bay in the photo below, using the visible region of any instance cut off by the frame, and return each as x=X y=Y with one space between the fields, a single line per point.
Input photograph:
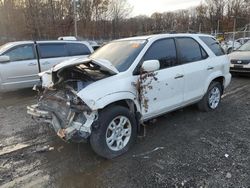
x=59 y=105
x=77 y=77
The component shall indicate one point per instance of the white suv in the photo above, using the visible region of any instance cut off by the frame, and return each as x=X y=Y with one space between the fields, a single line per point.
x=104 y=98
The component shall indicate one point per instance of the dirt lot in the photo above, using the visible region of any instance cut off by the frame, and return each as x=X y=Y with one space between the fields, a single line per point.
x=186 y=148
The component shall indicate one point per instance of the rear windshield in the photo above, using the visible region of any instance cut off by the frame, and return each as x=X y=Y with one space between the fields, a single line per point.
x=4 y=47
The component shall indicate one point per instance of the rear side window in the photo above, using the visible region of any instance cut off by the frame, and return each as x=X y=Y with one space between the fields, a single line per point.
x=53 y=50
x=78 y=49
x=24 y=52
x=213 y=45
x=164 y=51
x=189 y=50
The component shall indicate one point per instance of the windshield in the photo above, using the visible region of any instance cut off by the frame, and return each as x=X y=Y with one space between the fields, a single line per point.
x=120 y=53
x=1 y=48
x=244 y=47
x=4 y=47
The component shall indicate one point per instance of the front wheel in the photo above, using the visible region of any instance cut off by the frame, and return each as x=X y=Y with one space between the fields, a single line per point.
x=116 y=133
x=212 y=98
x=229 y=50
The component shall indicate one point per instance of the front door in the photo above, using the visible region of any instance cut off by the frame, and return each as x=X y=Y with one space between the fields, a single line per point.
x=162 y=90
x=22 y=70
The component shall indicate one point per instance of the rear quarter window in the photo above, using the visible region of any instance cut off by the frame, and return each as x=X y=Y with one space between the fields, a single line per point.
x=53 y=50
x=213 y=45
x=76 y=49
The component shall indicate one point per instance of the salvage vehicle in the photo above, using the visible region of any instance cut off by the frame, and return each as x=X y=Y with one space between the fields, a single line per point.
x=105 y=98
x=20 y=62
x=240 y=60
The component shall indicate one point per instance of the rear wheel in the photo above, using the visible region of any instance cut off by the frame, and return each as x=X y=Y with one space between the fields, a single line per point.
x=116 y=133
x=212 y=98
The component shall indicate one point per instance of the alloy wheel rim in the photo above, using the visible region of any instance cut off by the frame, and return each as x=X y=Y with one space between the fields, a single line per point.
x=214 y=98
x=118 y=133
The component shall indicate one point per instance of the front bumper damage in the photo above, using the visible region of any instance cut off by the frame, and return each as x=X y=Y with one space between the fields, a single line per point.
x=59 y=104
x=75 y=127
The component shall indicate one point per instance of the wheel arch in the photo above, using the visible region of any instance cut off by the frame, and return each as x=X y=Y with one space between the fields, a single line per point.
x=130 y=102
x=216 y=77
x=221 y=80
x=127 y=103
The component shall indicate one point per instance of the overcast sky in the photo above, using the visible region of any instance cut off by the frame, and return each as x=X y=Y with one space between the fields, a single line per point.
x=147 y=7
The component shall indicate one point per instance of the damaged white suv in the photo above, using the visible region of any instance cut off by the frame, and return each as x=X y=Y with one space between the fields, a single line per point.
x=106 y=97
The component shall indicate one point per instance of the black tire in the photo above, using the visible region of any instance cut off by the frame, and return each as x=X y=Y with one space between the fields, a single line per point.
x=229 y=50
x=98 y=135
x=204 y=105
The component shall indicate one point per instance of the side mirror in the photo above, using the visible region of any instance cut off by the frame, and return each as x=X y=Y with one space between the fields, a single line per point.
x=150 y=66
x=4 y=59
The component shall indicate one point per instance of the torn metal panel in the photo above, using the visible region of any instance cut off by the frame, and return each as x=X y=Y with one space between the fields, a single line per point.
x=73 y=125
x=69 y=116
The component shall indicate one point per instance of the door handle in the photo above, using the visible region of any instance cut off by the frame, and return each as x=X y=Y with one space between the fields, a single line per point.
x=210 y=68
x=32 y=64
x=179 y=76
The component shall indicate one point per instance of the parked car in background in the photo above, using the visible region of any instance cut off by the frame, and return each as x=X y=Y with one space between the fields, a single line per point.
x=67 y=38
x=92 y=43
x=20 y=62
x=106 y=97
x=240 y=59
x=228 y=46
x=243 y=40
x=96 y=47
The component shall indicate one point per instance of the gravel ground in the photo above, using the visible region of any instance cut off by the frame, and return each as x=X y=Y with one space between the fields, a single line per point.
x=186 y=148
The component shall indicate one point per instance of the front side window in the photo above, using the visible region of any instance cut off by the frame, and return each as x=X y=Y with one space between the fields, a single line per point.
x=120 y=53
x=213 y=45
x=163 y=50
x=76 y=49
x=24 y=52
x=53 y=50
x=189 y=50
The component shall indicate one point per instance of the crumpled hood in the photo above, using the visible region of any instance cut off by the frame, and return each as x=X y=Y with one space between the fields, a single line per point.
x=238 y=55
x=104 y=64
x=47 y=75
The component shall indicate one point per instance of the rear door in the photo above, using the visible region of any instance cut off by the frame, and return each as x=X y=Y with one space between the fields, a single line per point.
x=22 y=70
x=219 y=59
x=194 y=60
x=51 y=54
